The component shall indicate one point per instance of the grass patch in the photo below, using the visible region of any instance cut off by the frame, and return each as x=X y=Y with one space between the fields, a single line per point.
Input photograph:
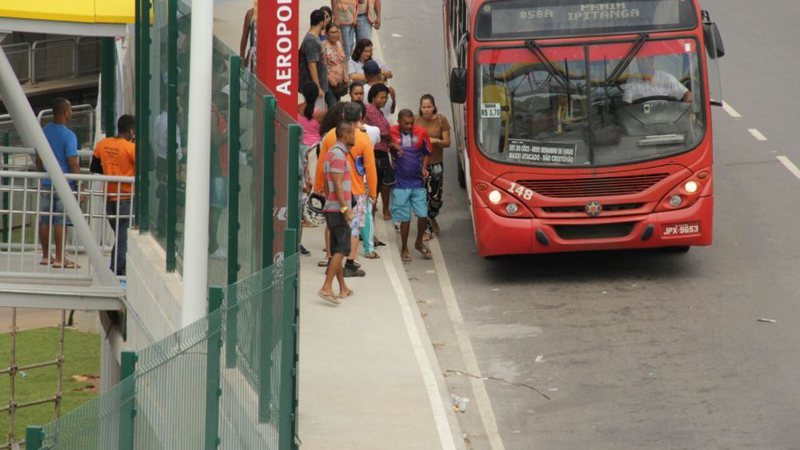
x=81 y=357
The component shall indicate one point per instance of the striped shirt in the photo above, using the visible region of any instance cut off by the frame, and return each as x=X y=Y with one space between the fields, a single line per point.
x=336 y=162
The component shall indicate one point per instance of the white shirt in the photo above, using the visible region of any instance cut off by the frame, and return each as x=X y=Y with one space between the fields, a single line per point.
x=660 y=84
x=160 y=137
x=374 y=133
x=354 y=66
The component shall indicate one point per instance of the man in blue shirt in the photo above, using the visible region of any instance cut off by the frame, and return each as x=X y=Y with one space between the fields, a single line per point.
x=64 y=143
x=411 y=147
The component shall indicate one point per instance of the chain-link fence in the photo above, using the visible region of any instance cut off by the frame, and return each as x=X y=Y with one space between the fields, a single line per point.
x=196 y=389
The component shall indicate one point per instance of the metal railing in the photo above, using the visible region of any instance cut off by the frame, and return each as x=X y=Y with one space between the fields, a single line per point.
x=54 y=59
x=33 y=222
x=83 y=123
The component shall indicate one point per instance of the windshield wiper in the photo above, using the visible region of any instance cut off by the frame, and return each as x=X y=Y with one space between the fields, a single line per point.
x=562 y=80
x=628 y=59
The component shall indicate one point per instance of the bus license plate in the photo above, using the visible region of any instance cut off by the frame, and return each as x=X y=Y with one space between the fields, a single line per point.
x=680 y=229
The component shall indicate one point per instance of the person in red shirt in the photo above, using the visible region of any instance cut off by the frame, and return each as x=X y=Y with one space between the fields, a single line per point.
x=116 y=156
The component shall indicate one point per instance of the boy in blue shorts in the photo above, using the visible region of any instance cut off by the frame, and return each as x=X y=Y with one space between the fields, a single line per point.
x=412 y=147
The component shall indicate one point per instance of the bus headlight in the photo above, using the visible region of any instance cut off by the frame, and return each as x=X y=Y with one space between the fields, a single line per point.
x=691 y=187
x=512 y=209
x=675 y=201
x=495 y=197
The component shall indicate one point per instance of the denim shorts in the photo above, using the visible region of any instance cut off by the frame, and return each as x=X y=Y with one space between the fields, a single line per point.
x=404 y=201
x=58 y=217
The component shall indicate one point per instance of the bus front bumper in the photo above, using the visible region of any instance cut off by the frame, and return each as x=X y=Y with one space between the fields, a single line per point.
x=496 y=235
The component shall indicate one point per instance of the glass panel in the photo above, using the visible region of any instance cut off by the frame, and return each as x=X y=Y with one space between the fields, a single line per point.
x=642 y=100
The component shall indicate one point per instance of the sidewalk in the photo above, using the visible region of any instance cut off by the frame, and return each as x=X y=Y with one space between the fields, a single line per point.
x=368 y=375
x=369 y=378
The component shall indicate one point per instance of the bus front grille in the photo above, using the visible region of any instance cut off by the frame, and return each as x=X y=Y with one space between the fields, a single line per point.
x=598 y=231
x=594 y=187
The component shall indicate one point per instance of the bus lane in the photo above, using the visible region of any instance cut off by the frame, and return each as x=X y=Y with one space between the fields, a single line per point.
x=609 y=350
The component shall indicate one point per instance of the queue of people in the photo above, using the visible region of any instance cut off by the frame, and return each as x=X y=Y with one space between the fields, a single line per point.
x=364 y=156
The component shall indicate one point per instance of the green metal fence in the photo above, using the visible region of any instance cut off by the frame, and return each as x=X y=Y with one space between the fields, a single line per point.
x=229 y=380
x=183 y=393
x=249 y=155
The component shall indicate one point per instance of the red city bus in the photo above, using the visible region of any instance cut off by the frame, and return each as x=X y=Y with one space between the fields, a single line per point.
x=584 y=125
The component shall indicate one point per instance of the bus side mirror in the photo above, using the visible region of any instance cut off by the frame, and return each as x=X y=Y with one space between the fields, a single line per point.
x=458 y=85
x=714 y=45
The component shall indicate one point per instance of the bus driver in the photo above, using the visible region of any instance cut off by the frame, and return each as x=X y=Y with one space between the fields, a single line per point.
x=654 y=83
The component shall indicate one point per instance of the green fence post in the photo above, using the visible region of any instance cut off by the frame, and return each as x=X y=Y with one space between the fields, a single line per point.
x=6 y=182
x=268 y=180
x=138 y=105
x=128 y=408
x=172 y=136
x=143 y=157
x=287 y=413
x=34 y=438
x=235 y=188
x=268 y=234
x=293 y=188
x=213 y=368
x=108 y=75
x=294 y=218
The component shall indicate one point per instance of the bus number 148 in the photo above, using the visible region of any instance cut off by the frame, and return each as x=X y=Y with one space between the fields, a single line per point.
x=520 y=191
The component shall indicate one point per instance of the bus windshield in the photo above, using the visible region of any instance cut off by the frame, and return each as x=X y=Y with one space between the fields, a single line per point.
x=590 y=105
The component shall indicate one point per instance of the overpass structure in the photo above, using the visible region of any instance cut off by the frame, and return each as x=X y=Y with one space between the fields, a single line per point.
x=97 y=288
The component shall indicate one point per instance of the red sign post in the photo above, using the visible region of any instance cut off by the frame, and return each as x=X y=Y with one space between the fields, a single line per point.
x=277 y=51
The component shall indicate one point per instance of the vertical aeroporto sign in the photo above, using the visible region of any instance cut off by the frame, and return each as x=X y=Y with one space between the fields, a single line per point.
x=277 y=28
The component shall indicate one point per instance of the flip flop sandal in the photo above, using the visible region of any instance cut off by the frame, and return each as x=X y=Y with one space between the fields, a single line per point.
x=349 y=294
x=67 y=265
x=323 y=263
x=426 y=252
x=406 y=258
x=328 y=298
x=373 y=255
x=44 y=262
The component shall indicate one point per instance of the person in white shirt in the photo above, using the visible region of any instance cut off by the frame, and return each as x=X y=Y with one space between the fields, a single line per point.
x=654 y=83
x=368 y=238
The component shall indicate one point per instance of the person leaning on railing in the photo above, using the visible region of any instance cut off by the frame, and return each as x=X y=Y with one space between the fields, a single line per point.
x=116 y=156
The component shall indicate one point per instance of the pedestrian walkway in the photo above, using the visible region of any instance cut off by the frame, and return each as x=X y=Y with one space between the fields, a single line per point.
x=369 y=378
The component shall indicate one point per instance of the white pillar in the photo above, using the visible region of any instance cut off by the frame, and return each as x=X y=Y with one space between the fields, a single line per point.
x=195 y=247
x=32 y=136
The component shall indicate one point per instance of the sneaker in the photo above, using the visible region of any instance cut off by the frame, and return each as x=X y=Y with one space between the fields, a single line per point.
x=219 y=253
x=350 y=271
x=304 y=251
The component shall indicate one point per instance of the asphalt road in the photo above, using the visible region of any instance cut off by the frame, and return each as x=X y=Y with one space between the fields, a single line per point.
x=636 y=350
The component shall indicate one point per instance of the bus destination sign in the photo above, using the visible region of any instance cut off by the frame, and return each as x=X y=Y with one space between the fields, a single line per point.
x=530 y=151
x=509 y=19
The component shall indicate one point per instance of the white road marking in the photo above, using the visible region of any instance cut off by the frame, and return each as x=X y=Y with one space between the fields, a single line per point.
x=790 y=165
x=731 y=112
x=397 y=35
x=465 y=345
x=757 y=134
x=431 y=386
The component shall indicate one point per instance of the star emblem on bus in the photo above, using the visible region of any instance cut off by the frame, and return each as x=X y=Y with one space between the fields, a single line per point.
x=593 y=209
